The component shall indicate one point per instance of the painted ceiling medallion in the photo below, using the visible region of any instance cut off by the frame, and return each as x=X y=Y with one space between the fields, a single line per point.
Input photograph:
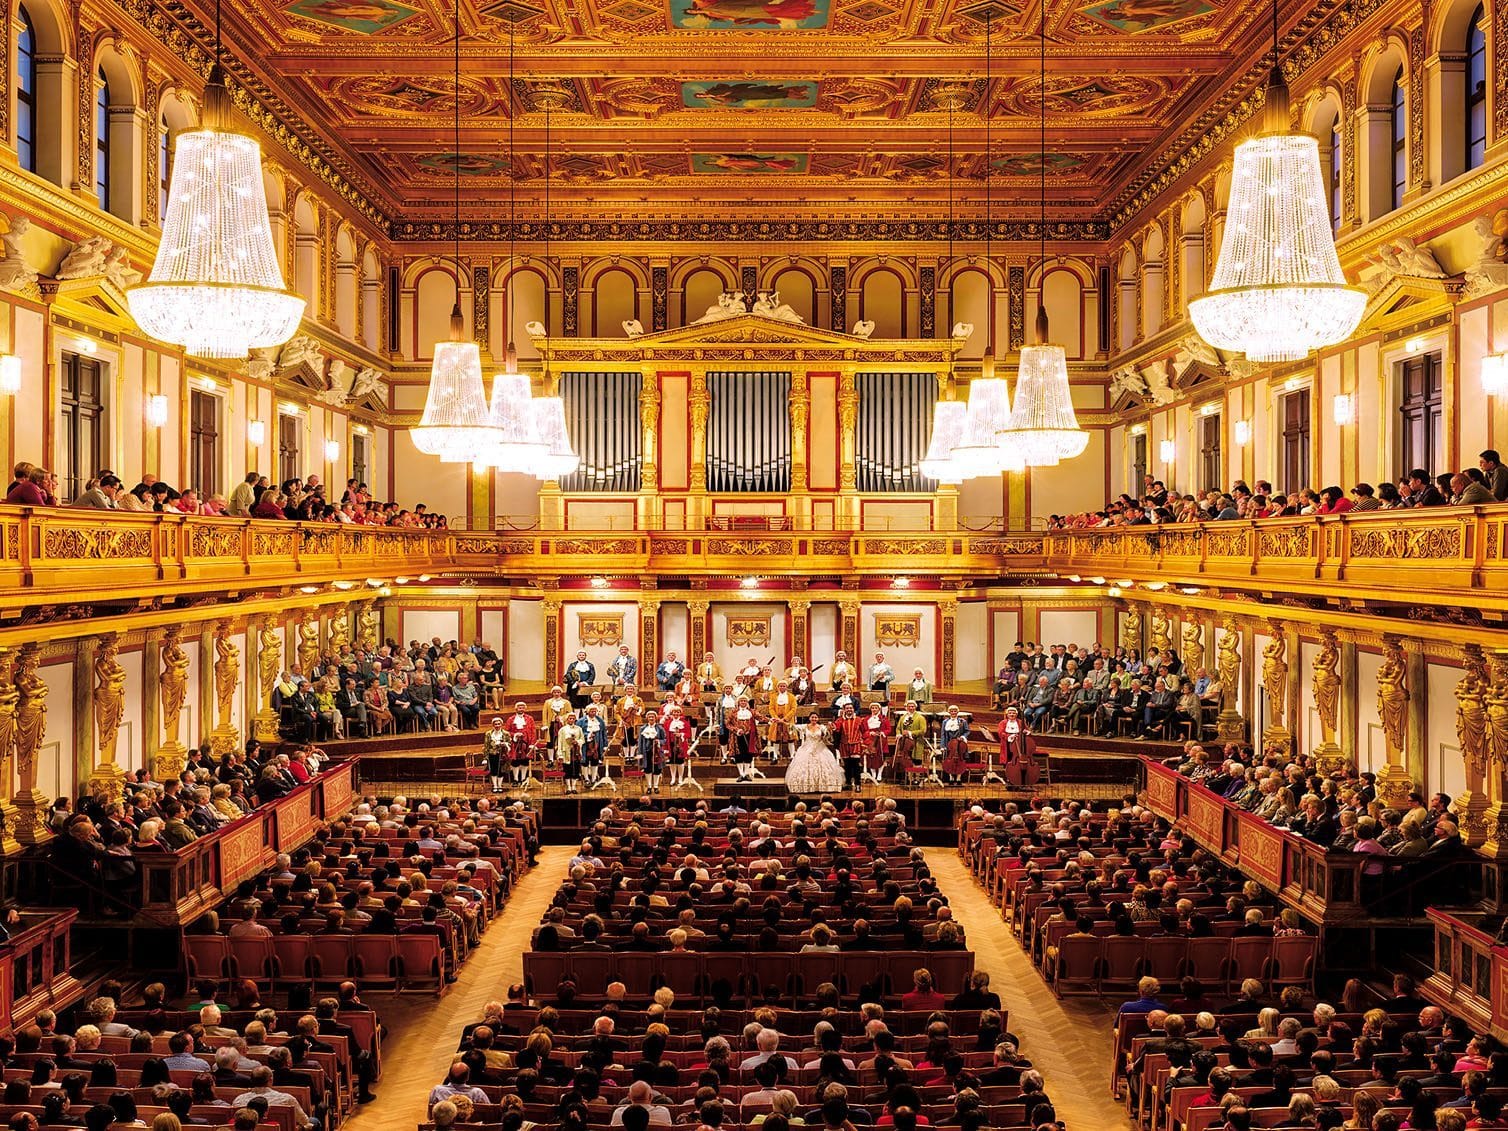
x=363 y=17
x=1133 y=17
x=749 y=164
x=748 y=95
x=770 y=15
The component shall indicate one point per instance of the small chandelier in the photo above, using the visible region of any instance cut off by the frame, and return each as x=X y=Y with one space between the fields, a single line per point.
x=216 y=288
x=457 y=422
x=516 y=445
x=947 y=432
x=980 y=452
x=1278 y=290
x=559 y=459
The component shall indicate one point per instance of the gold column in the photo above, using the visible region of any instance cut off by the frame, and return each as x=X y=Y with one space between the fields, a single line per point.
x=227 y=672
x=649 y=634
x=801 y=403
x=1471 y=733
x=552 y=640
x=848 y=633
x=649 y=447
x=172 y=689
x=1275 y=687
x=697 y=614
x=700 y=401
x=1394 y=783
x=948 y=618
x=10 y=697
x=269 y=665
x=800 y=628
x=1325 y=684
x=1495 y=700
x=1230 y=726
x=108 y=702
x=848 y=419
x=31 y=728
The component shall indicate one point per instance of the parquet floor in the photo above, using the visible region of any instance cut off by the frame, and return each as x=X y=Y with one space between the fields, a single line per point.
x=1068 y=1041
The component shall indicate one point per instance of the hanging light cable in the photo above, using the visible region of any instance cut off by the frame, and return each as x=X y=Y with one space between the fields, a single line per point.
x=1043 y=426
x=560 y=459
x=1278 y=290
x=516 y=447
x=948 y=414
x=455 y=425
x=216 y=288
x=979 y=453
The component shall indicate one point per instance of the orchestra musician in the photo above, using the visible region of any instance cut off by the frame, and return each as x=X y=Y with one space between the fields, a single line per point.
x=782 y=709
x=955 y=740
x=680 y=734
x=1016 y=750
x=708 y=675
x=876 y=742
x=555 y=708
x=723 y=709
x=744 y=726
x=910 y=734
x=522 y=735
x=630 y=708
x=846 y=697
x=668 y=674
x=568 y=741
x=685 y=691
x=919 y=689
x=881 y=674
x=579 y=678
x=850 y=732
x=796 y=668
x=494 y=749
x=843 y=672
x=764 y=685
x=624 y=669
x=804 y=687
x=651 y=745
x=593 y=744
x=749 y=672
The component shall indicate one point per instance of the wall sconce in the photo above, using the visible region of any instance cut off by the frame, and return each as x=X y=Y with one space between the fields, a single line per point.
x=1343 y=408
x=209 y=384
x=360 y=429
x=1243 y=432
x=256 y=433
x=1414 y=345
x=1138 y=429
x=10 y=374
x=1167 y=450
x=86 y=346
x=1293 y=384
x=599 y=583
x=1494 y=374
x=749 y=583
x=157 y=410
x=332 y=450
x=1210 y=409
x=287 y=408
x=901 y=583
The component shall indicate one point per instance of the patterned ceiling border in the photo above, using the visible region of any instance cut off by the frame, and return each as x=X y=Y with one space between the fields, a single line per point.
x=900 y=231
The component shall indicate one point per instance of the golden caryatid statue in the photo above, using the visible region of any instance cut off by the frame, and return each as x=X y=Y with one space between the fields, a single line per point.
x=1495 y=697
x=1230 y=725
x=172 y=689
x=269 y=658
x=1160 y=633
x=340 y=633
x=109 y=701
x=368 y=627
x=1393 y=694
x=9 y=698
x=1325 y=673
x=1131 y=629
x=227 y=673
x=31 y=728
x=1275 y=684
x=1192 y=644
x=308 y=643
x=1471 y=716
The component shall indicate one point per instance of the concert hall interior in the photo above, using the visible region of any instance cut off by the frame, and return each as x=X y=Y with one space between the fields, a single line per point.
x=754 y=564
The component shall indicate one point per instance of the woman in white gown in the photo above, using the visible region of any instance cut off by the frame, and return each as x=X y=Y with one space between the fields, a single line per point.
x=814 y=767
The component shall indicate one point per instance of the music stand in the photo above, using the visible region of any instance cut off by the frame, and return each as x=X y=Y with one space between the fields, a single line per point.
x=605 y=777
x=933 y=777
x=990 y=773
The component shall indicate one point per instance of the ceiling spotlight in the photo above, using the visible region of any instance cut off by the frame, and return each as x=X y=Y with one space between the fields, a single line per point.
x=343 y=586
x=749 y=583
x=308 y=588
x=1074 y=577
x=1114 y=592
x=599 y=583
x=1098 y=580
x=424 y=577
x=901 y=583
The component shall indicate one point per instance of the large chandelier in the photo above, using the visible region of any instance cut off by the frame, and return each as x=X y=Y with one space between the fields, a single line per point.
x=981 y=452
x=1278 y=290
x=457 y=423
x=1043 y=427
x=947 y=433
x=516 y=444
x=216 y=289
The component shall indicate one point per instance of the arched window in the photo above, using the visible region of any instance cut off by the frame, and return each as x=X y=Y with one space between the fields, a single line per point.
x=1335 y=173
x=1398 y=113
x=1476 y=91
x=102 y=139
x=164 y=166
x=26 y=93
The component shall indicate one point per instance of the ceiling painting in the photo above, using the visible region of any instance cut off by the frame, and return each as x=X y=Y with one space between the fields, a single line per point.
x=748 y=164
x=726 y=95
x=364 y=17
x=760 y=15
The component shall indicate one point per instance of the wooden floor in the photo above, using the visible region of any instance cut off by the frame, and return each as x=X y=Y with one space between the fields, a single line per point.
x=1068 y=1041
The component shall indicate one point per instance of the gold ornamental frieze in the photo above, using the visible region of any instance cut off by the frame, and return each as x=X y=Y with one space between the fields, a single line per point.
x=898 y=630
x=599 y=629
x=1435 y=542
x=749 y=631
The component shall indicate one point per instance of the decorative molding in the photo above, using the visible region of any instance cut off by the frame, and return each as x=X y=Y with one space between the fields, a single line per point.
x=927 y=285
x=898 y=630
x=762 y=231
x=481 y=304
x=599 y=629
x=746 y=631
x=659 y=298
x=1016 y=282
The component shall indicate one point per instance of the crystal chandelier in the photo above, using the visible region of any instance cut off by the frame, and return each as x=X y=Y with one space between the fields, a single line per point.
x=1043 y=427
x=1278 y=290
x=215 y=288
x=980 y=452
x=948 y=415
x=516 y=445
x=559 y=459
x=457 y=422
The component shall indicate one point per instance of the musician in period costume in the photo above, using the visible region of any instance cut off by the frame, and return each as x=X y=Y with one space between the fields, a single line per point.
x=685 y=691
x=1016 y=750
x=709 y=676
x=722 y=711
x=764 y=685
x=850 y=733
x=495 y=748
x=593 y=744
x=651 y=745
x=680 y=736
x=550 y=715
x=955 y=743
x=630 y=710
x=624 y=669
x=881 y=674
x=744 y=725
x=669 y=673
x=579 y=677
x=782 y=710
x=846 y=697
x=910 y=737
x=797 y=667
x=843 y=672
x=876 y=742
x=804 y=687
x=749 y=672
x=568 y=740
x=919 y=689
x=522 y=735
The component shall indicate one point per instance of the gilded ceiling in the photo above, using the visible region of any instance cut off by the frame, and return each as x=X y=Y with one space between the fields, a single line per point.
x=719 y=109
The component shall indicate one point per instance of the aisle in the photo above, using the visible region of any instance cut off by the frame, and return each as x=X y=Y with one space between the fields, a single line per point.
x=423 y=1032
x=1068 y=1040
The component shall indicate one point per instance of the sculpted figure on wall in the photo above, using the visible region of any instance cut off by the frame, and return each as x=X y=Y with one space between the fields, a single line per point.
x=172 y=684
x=1326 y=684
x=227 y=672
x=340 y=633
x=10 y=697
x=308 y=642
x=1275 y=675
x=1393 y=693
x=1192 y=645
x=1161 y=634
x=109 y=696
x=269 y=658
x=1131 y=629
x=1471 y=715
x=31 y=716
x=368 y=628
x=1228 y=660
x=1495 y=696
